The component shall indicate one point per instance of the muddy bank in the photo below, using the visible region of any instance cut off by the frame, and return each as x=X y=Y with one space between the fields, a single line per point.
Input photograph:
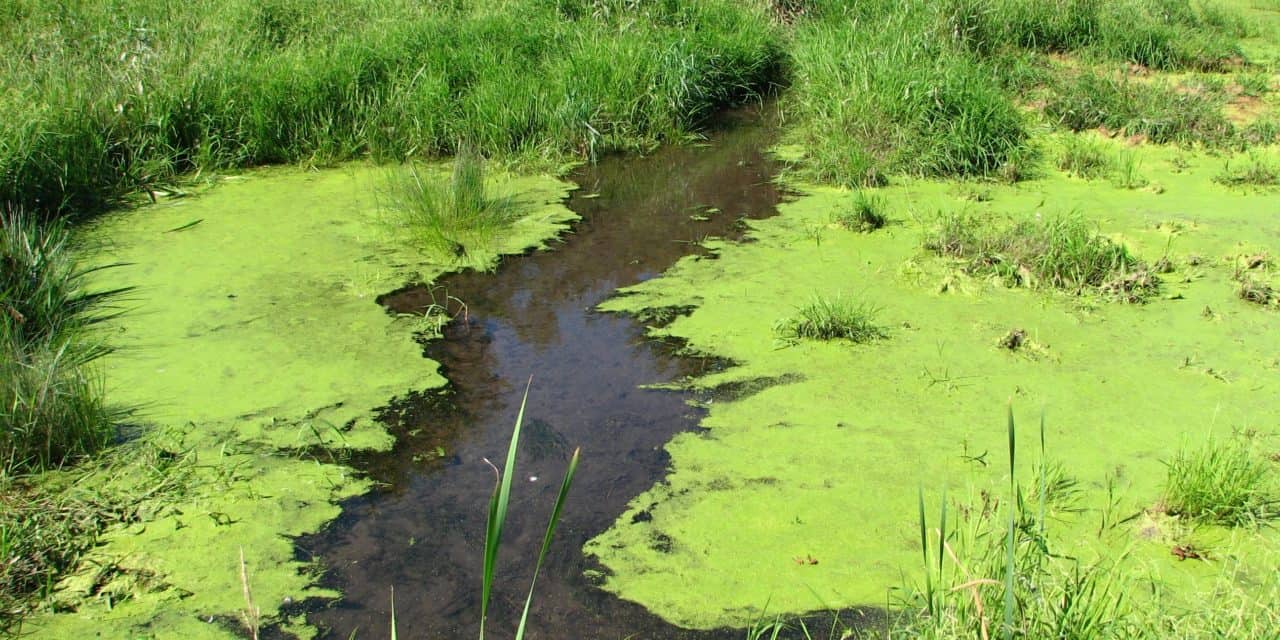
x=423 y=532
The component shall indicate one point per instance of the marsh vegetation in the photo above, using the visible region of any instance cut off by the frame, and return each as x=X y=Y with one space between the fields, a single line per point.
x=1057 y=251
x=113 y=104
x=832 y=318
x=449 y=216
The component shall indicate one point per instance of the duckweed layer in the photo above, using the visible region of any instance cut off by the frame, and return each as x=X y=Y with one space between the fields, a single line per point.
x=802 y=496
x=253 y=333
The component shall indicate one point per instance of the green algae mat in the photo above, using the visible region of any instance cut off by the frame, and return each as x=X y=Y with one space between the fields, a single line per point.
x=802 y=494
x=254 y=353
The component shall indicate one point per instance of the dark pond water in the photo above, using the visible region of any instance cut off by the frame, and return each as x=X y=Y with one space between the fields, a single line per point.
x=423 y=532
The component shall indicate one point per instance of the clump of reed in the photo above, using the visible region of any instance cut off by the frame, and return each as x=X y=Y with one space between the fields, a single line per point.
x=1221 y=482
x=454 y=215
x=1058 y=251
x=995 y=572
x=1256 y=171
x=990 y=567
x=832 y=318
x=1085 y=157
x=499 y=504
x=864 y=214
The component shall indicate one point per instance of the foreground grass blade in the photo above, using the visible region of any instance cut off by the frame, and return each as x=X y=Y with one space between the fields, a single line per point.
x=498 y=505
x=924 y=551
x=942 y=536
x=546 y=537
x=1009 y=560
x=1044 y=466
x=393 y=613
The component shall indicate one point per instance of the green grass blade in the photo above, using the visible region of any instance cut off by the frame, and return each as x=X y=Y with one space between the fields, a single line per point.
x=1044 y=466
x=1012 y=448
x=924 y=551
x=1009 y=559
x=546 y=538
x=393 y=613
x=942 y=535
x=498 y=505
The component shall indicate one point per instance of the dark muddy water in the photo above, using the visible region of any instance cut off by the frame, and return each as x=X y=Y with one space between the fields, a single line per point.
x=423 y=533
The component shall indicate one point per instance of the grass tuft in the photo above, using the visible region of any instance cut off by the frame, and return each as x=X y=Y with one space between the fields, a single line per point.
x=1084 y=157
x=1254 y=84
x=864 y=214
x=450 y=216
x=835 y=318
x=1060 y=252
x=1254 y=290
x=1257 y=171
x=1221 y=482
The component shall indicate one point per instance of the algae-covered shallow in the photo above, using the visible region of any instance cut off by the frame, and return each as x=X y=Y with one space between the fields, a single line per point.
x=802 y=496
x=255 y=304
x=593 y=387
x=255 y=354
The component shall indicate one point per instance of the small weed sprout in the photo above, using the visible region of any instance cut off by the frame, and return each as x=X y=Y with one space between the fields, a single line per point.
x=865 y=214
x=450 y=217
x=832 y=319
x=1220 y=482
x=1253 y=290
x=1256 y=172
x=1127 y=175
x=1084 y=157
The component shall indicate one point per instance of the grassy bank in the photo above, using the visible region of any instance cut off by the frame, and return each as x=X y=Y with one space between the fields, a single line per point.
x=52 y=409
x=104 y=99
x=954 y=89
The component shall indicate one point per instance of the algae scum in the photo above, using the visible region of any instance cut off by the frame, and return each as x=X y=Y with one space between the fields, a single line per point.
x=276 y=318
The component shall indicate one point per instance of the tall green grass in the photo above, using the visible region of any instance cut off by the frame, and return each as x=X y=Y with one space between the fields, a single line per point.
x=104 y=99
x=1161 y=34
x=51 y=402
x=1163 y=114
x=933 y=88
x=879 y=90
x=1222 y=482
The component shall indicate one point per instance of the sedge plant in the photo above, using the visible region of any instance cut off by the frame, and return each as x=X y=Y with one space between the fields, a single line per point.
x=499 y=504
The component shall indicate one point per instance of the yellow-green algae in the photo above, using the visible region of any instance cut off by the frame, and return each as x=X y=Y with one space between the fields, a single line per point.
x=826 y=464
x=253 y=332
